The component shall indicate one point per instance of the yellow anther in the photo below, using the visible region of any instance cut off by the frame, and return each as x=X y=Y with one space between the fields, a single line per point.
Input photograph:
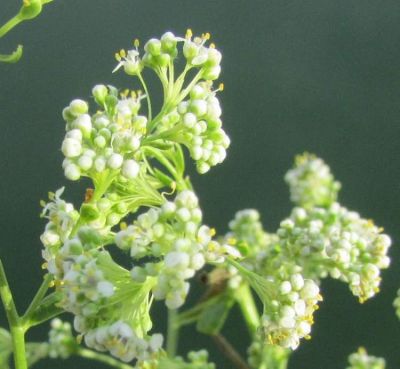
x=213 y=232
x=42 y=203
x=308 y=337
x=206 y=36
x=232 y=241
x=44 y=266
x=221 y=87
x=136 y=42
x=122 y=52
x=117 y=57
x=51 y=284
x=123 y=226
x=189 y=33
x=212 y=45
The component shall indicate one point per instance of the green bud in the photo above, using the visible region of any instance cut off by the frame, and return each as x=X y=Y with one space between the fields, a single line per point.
x=90 y=236
x=100 y=93
x=89 y=212
x=168 y=43
x=190 y=50
x=153 y=47
x=163 y=60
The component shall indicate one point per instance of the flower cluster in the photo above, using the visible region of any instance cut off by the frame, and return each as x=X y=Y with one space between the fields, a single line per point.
x=194 y=122
x=337 y=242
x=105 y=141
x=361 y=360
x=289 y=303
x=102 y=296
x=61 y=219
x=122 y=342
x=311 y=182
x=174 y=234
x=201 y=132
x=62 y=344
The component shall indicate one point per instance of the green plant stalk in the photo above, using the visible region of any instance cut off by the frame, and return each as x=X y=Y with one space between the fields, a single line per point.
x=273 y=357
x=16 y=328
x=92 y=355
x=8 y=26
x=37 y=299
x=247 y=305
x=173 y=332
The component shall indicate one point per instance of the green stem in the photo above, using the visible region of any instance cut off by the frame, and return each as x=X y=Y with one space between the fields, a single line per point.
x=14 y=21
x=18 y=338
x=274 y=357
x=147 y=96
x=7 y=299
x=92 y=355
x=248 y=307
x=173 y=332
x=16 y=329
x=38 y=298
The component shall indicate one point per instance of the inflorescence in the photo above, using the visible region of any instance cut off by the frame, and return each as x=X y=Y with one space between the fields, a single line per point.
x=135 y=160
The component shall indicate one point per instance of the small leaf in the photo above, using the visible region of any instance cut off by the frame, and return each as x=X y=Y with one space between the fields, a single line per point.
x=213 y=317
x=46 y=310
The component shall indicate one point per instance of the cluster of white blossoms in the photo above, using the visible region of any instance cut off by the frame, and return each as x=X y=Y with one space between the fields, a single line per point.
x=361 y=360
x=337 y=242
x=311 y=182
x=201 y=132
x=289 y=316
x=62 y=344
x=103 y=297
x=107 y=140
x=122 y=342
x=61 y=219
x=159 y=53
x=173 y=235
x=194 y=122
x=289 y=303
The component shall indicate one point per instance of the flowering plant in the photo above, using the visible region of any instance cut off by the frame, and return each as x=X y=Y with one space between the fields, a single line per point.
x=138 y=236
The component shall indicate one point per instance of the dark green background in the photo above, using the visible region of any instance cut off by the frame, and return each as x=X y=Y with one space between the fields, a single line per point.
x=316 y=75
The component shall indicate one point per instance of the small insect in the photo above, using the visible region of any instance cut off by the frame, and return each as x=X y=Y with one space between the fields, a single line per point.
x=88 y=194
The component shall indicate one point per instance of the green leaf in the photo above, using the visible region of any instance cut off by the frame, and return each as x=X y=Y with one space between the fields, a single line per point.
x=13 y=57
x=213 y=317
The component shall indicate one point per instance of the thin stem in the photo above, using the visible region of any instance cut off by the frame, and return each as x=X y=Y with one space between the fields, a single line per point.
x=227 y=349
x=173 y=332
x=161 y=158
x=147 y=96
x=92 y=355
x=7 y=299
x=17 y=331
x=14 y=21
x=248 y=307
x=38 y=298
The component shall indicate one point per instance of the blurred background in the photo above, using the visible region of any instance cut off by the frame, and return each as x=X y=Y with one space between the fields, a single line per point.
x=315 y=75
